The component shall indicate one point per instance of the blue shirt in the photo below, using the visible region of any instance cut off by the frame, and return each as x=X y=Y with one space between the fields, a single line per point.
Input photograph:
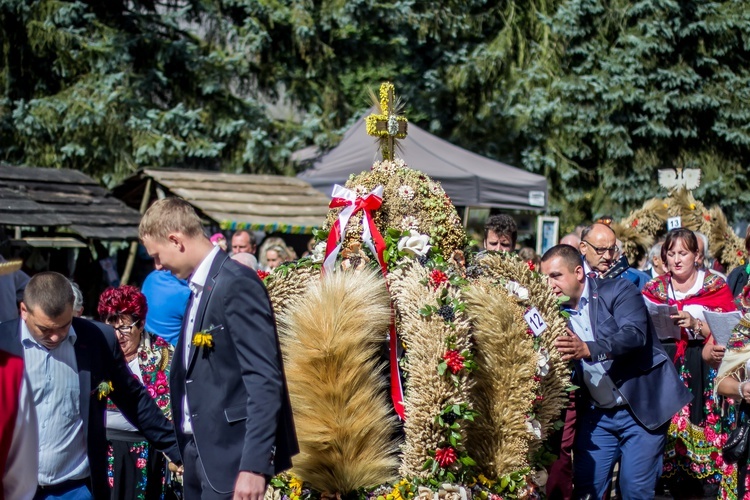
x=53 y=375
x=167 y=298
x=603 y=391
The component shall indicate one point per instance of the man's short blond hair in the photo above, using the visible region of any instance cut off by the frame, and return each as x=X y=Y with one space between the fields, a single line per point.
x=170 y=215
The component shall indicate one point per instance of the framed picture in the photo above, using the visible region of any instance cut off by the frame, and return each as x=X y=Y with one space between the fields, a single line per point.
x=547 y=229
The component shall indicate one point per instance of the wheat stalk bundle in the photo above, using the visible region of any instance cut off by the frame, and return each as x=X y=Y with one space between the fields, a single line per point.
x=331 y=339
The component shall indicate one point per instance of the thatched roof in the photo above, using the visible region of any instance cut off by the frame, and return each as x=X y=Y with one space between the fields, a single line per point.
x=268 y=203
x=63 y=199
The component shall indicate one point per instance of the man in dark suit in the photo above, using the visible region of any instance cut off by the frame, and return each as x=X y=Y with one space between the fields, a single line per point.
x=232 y=413
x=69 y=362
x=629 y=389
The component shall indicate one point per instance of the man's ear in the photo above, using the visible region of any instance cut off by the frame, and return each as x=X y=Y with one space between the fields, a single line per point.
x=24 y=311
x=582 y=247
x=580 y=275
x=175 y=239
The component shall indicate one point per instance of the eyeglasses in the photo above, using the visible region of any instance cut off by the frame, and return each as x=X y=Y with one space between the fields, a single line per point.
x=603 y=250
x=125 y=329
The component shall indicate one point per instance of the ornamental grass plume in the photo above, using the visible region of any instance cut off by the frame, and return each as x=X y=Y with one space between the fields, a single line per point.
x=504 y=385
x=427 y=392
x=284 y=289
x=501 y=267
x=725 y=245
x=331 y=339
x=645 y=224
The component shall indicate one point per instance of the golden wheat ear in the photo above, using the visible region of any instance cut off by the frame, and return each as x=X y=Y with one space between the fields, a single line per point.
x=331 y=339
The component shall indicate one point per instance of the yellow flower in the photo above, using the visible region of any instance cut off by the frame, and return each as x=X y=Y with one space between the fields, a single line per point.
x=103 y=389
x=404 y=486
x=296 y=485
x=488 y=483
x=692 y=206
x=742 y=262
x=202 y=339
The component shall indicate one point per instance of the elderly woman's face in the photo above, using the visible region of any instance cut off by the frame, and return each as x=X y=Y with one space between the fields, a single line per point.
x=128 y=330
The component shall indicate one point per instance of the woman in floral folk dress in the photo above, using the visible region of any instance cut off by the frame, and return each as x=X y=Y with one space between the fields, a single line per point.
x=691 y=465
x=136 y=469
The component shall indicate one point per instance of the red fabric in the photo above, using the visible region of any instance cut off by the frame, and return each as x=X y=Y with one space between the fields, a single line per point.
x=560 y=478
x=11 y=375
x=719 y=298
x=368 y=204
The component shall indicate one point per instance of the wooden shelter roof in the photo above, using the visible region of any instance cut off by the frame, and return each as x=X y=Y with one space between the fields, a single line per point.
x=269 y=203
x=66 y=199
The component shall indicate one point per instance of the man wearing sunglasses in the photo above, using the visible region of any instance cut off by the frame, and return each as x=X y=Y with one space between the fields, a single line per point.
x=600 y=252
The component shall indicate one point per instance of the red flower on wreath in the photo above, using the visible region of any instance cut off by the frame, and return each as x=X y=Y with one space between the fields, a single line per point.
x=634 y=223
x=262 y=274
x=437 y=278
x=531 y=265
x=454 y=360
x=707 y=217
x=445 y=456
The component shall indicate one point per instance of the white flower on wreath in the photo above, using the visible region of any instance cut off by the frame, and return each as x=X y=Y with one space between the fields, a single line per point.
x=540 y=477
x=534 y=427
x=542 y=364
x=516 y=289
x=416 y=244
x=436 y=189
x=399 y=163
x=406 y=192
x=409 y=222
x=360 y=190
x=384 y=166
x=319 y=252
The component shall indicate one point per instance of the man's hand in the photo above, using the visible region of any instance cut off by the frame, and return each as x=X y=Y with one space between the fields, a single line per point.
x=572 y=347
x=249 y=486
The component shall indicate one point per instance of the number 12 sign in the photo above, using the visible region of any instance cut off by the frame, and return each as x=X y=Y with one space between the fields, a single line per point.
x=535 y=321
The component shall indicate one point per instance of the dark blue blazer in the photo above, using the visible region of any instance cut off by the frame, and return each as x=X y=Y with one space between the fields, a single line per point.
x=625 y=340
x=240 y=410
x=99 y=358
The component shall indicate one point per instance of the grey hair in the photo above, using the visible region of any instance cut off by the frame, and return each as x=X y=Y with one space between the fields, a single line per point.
x=706 y=251
x=655 y=251
x=78 y=302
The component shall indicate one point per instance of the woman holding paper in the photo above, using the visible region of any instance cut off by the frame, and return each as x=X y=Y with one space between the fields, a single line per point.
x=694 y=440
x=732 y=382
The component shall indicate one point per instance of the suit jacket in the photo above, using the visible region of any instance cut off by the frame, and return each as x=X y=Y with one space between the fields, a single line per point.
x=236 y=390
x=625 y=341
x=99 y=359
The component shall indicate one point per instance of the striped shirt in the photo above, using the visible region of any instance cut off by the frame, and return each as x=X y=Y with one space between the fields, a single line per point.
x=57 y=397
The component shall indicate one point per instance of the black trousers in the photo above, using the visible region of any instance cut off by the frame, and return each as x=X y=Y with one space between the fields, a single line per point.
x=194 y=482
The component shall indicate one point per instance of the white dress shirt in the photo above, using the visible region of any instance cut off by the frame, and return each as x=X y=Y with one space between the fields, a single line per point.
x=57 y=398
x=20 y=475
x=603 y=391
x=196 y=283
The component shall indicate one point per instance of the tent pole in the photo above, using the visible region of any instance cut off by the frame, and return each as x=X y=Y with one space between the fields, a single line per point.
x=134 y=244
x=466 y=217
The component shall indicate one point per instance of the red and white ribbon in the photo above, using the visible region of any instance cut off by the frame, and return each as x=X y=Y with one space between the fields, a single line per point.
x=351 y=204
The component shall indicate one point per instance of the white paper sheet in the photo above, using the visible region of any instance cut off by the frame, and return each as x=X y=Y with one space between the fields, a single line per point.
x=722 y=324
x=663 y=323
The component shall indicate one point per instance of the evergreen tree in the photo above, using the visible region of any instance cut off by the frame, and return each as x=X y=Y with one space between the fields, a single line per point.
x=642 y=86
x=108 y=86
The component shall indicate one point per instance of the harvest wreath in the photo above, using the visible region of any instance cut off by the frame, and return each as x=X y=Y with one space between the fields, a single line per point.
x=386 y=305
